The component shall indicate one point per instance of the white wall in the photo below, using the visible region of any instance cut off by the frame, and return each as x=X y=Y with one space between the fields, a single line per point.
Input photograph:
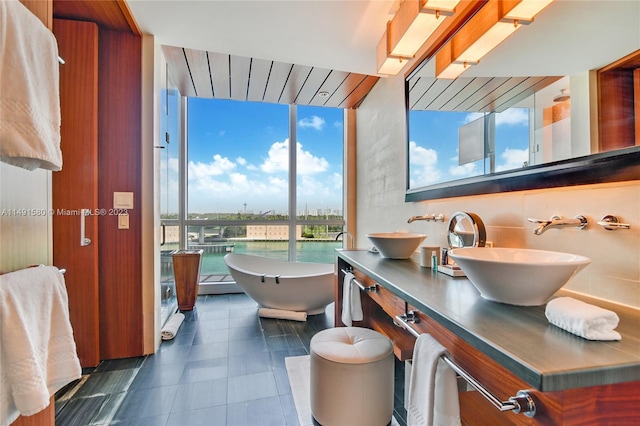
x=614 y=273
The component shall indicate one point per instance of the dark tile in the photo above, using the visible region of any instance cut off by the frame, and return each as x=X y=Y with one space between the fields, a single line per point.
x=224 y=367
x=282 y=382
x=107 y=383
x=155 y=375
x=246 y=333
x=206 y=335
x=249 y=363
x=251 y=387
x=198 y=395
x=80 y=411
x=289 y=410
x=263 y=412
x=169 y=354
x=208 y=351
x=120 y=364
x=150 y=402
x=209 y=369
x=240 y=347
x=211 y=416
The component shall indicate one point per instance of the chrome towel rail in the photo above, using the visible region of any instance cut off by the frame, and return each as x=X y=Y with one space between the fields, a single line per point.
x=371 y=288
x=521 y=403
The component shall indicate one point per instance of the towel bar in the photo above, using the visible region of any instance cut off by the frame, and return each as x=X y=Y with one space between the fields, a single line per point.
x=521 y=403
x=372 y=288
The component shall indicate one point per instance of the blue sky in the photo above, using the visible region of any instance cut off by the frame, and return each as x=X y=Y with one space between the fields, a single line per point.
x=238 y=154
x=433 y=145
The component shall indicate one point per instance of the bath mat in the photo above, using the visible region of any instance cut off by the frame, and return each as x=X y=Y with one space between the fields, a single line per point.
x=300 y=381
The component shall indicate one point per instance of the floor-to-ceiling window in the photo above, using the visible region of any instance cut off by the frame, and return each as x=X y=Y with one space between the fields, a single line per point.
x=261 y=179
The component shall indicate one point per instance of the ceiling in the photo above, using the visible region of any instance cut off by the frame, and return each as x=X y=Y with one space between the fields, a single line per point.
x=308 y=44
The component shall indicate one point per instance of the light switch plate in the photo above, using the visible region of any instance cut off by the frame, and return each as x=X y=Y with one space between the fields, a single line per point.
x=123 y=200
x=123 y=221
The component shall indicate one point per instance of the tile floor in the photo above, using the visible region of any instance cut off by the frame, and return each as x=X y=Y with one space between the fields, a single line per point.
x=225 y=367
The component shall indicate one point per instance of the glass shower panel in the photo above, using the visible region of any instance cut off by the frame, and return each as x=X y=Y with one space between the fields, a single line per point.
x=168 y=148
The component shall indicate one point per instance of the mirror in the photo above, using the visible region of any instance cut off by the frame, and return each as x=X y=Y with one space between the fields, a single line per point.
x=466 y=230
x=532 y=114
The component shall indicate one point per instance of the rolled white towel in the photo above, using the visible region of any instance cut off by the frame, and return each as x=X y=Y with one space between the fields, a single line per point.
x=588 y=321
x=171 y=327
x=282 y=314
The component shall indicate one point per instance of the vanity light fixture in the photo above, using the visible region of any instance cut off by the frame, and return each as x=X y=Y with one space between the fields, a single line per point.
x=493 y=24
x=409 y=29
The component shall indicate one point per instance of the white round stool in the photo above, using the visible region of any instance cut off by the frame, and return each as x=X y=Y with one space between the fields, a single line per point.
x=351 y=377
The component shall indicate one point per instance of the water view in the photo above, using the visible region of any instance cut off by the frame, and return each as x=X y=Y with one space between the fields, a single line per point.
x=323 y=251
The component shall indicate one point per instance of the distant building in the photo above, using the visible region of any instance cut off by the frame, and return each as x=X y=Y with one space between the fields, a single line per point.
x=271 y=232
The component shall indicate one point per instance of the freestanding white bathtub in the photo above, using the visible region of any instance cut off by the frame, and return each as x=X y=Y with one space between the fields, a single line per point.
x=277 y=284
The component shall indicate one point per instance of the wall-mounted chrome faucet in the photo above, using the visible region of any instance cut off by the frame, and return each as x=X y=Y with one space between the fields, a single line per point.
x=428 y=217
x=579 y=221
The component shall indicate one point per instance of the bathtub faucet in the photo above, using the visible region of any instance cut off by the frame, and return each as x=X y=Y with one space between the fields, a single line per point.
x=348 y=235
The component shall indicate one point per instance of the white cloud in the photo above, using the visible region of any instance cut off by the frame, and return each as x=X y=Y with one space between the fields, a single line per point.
x=218 y=186
x=464 y=170
x=313 y=122
x=513 y=117
x=513 y=159
x=278 y=160
x=219 y=166
x=424 y=163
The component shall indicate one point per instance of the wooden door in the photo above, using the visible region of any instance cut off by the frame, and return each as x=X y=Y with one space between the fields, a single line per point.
x=76 y=187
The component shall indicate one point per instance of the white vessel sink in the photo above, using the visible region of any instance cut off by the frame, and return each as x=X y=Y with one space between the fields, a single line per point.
x=523 y=277
x=396 y=245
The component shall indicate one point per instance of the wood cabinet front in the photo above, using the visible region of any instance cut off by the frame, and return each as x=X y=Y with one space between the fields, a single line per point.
x=595 y=405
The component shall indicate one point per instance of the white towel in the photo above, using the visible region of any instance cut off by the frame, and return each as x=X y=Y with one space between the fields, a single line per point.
x=282 y=314
x=29 y=90
x=172 y=325
x=588 y=321
x=351 y=305
x=433 y=388
x=37 y=351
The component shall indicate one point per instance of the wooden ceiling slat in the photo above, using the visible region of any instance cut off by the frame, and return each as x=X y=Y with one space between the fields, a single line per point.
x=258 y=79
x=524 y=90
x=418 y=88
x=330 y=85
x=348 y=85
x=199 y=67
x=432 y=93
x=178 y=70
x=312 y=85
x=456 y=86
x=277 y=79
x=490 y=101
x=471 y=102
x=358 y=94
x=239 y=77
x=297 y=79
x=477 y=84
x=219 y=70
